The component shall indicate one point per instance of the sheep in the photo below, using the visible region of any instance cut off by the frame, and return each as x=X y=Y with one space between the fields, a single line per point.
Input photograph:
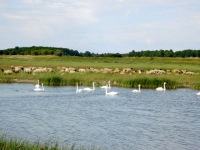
x=189 y=73
x=62 y=70
x=107 y=70
x=50 y=70
x=183 y=71
x=139 y=71
x=116 y=70
x=27 y=70
x=155 y=71
x=90 y=70
x=150 y=72
x=40 y=70
x=176 y=71
x=97 y=70
x=122 y=72
x=7 y=72
x=81 y=70
x=71 y=69
x=17 y=69
x=127 y=70
x=66 y=69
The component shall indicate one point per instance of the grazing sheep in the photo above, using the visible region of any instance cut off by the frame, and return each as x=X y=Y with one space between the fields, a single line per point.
x=127 y=70
x=107 y=70
x=17 y=69
x=139 y=71
x=40 y=70
x=50 y=70
x=72 y=69
x=189 y=73
x=7 y=72
x=81 y=70
x=27 y=70
x=116 y=70
x=90 y=70
x=176 y=71
x=97 y=70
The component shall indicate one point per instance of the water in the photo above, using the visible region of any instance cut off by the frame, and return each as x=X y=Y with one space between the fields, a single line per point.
x=147 y=120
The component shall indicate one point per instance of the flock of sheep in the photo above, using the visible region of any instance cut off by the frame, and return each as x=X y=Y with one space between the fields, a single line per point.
x=62 y=70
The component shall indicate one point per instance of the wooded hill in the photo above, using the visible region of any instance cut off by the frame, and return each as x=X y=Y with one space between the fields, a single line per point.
x=40 y=50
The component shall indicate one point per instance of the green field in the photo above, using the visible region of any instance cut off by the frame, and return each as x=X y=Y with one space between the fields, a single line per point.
x=174 y=80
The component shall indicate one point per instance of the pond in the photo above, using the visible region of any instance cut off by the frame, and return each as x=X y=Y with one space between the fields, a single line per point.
x=147 y=120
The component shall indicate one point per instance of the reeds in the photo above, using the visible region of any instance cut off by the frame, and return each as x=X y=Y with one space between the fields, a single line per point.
x=147 y=83
x=86 y=80
x=8 y=143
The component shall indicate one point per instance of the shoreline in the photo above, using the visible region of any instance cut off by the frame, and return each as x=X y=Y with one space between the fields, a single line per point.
x=2 y=81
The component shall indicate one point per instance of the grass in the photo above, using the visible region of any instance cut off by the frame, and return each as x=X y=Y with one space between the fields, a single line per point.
x=8 y=143
x=126 y=80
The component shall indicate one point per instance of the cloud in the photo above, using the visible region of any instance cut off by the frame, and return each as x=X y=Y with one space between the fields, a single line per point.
x=101 y=26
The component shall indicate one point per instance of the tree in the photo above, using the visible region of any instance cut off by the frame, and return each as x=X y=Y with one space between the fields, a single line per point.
x=58 y=53
x=87 y=54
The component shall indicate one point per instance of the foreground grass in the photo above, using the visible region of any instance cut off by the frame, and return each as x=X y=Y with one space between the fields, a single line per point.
x=7 y=143
x=126 y=80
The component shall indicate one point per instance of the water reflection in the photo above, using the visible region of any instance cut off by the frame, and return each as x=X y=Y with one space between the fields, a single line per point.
x=147 y=120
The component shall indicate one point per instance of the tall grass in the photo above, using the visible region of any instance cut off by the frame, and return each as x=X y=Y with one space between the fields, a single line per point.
x=8 y=143
x=101 y=79
x=148 y=83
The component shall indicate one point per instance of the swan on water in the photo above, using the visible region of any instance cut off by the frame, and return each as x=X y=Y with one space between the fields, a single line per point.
x=38 y=84
x=105 y=86
x=198 y=93
x=161 y=88
x=38 y=89
x=111 y=93
x=137 y=91
x=77 y=89
x=89 y=89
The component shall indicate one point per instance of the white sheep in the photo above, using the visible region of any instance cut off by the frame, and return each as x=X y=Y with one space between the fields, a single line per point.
x=7 y=72
x=81 y=70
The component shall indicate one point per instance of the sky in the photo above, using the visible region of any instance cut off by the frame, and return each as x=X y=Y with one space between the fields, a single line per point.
x=101 y=26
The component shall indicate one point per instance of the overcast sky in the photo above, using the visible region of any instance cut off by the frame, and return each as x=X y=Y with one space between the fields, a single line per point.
x=101 y=26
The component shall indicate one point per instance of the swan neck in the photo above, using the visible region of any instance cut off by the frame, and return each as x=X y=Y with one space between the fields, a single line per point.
x=93 y=87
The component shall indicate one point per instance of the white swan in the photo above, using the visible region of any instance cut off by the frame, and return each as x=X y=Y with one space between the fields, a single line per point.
x=198 y=93
x=78 y=90
x=38 y=89
x=161 y=88
x=89 y=89
x=137 y=91
x=37 y=85
x=106 y=86
x=111 y=93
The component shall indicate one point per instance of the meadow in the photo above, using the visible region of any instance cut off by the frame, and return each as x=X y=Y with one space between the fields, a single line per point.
x=123 y=80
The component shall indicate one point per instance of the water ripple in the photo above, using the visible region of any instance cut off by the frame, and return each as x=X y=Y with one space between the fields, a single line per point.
x=148 y=120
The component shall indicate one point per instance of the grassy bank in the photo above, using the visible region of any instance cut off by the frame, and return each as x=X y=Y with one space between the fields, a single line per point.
x=125 y=80
x=8 y=143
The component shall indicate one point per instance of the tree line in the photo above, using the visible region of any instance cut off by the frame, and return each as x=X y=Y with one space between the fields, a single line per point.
x=40 y=50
